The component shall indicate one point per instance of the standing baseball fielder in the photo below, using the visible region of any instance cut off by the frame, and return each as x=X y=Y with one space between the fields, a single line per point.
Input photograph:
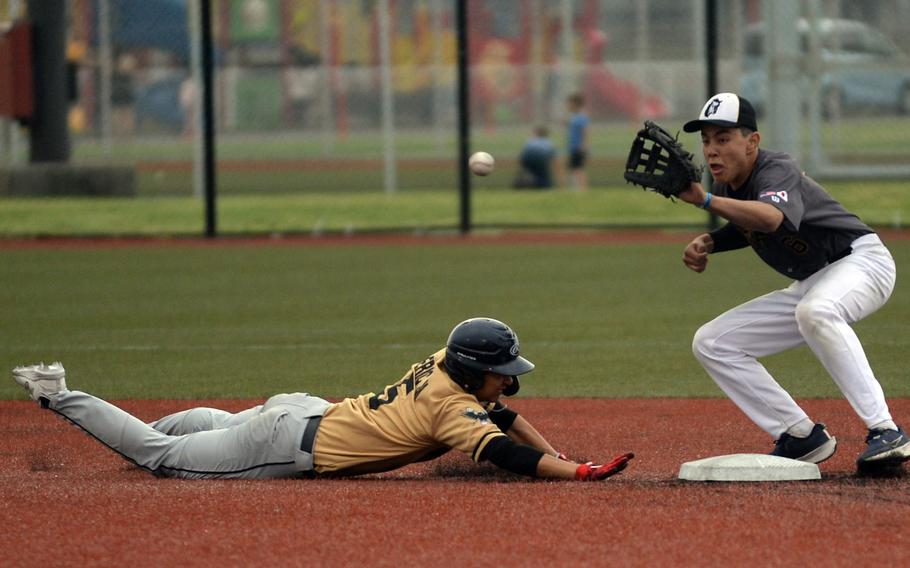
x=841 y=273
x=449 y=400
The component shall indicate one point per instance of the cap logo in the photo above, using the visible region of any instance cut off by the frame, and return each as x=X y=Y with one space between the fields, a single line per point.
x=726 y=110
x=513 y=351
x=712 y=107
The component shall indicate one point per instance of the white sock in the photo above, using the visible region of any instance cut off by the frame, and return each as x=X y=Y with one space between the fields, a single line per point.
x=886 y=425
x=801 y=429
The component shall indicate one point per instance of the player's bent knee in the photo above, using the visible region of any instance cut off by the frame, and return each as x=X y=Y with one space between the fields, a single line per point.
x=814 y=314
x=186 y=422
x=704 y=342
x=197 y=420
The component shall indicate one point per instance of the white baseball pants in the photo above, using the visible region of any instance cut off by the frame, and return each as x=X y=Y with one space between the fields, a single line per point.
x=817 y=312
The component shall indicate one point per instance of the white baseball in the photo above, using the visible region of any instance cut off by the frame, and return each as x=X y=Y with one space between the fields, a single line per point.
x=481 y=163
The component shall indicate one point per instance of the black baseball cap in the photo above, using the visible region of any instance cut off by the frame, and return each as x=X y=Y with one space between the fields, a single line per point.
x=724 y=109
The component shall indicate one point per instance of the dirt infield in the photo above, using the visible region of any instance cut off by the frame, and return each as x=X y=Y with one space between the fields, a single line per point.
x=68 y=501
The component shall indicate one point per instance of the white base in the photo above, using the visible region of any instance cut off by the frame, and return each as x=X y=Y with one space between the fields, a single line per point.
x=748 y=467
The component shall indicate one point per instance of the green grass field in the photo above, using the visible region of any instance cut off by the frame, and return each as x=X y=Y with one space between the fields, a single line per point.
x=881 y=203
x=874 y=135
x=247 y=321
x=307 y=182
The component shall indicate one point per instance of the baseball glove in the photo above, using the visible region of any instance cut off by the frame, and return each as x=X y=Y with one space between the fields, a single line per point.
x=659 y=163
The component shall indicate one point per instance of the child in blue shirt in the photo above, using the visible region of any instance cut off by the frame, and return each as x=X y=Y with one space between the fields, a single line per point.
x=536 y=161
x=578 y=141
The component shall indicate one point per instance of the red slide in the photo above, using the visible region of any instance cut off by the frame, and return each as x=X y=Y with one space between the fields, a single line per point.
x=608 y=95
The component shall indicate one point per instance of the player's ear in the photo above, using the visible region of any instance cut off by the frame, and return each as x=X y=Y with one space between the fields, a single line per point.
x=754 y=139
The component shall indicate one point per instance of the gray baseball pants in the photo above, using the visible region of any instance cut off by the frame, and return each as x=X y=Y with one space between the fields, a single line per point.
x=263 y=442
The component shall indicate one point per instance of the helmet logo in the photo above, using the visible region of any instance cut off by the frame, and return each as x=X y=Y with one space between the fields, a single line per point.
x=466 y=356
x=513 y=351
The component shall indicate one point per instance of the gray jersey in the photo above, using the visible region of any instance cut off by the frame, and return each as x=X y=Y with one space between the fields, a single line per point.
x=816 y=230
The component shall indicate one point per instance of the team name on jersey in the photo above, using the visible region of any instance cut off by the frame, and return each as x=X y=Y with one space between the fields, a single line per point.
x=755 y=238
x=795 y=244
x=415 y=382
x=791 y=241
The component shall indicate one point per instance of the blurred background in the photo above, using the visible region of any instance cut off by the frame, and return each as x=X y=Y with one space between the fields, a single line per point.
x=341 y=115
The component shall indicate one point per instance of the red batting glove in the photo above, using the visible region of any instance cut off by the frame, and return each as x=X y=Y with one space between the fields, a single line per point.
x=592 y=472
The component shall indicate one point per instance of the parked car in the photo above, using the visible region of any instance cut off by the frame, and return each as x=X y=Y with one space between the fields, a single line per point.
x=862 y=70
x=158 y=103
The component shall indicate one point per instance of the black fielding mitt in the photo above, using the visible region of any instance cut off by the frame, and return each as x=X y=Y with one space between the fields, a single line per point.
x=659 y=163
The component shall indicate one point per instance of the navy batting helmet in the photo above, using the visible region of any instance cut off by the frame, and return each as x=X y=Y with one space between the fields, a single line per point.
x=481 y=345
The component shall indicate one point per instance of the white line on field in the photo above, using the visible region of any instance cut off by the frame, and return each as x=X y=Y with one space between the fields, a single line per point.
x=346 y=346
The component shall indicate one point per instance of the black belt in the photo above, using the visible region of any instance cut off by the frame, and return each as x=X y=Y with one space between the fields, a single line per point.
x=844 y=253
x=309 y=434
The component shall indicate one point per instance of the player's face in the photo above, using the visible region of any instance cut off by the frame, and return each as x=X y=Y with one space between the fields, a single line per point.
x=492 y=388
x=728 y=154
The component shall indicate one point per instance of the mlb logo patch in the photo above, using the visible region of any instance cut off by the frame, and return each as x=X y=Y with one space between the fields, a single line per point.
x=775 y=196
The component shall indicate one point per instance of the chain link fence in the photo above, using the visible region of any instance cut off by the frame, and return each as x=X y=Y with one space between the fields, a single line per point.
x=334 y=98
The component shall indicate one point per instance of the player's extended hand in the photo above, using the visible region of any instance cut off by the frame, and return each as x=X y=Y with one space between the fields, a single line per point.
x=593 y=472
x=695 y=256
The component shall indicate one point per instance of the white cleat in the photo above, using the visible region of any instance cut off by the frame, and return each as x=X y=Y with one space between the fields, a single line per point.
x=41 y=381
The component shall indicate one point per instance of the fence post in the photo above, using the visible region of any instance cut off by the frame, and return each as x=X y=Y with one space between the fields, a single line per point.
x=50 y=141
x=464 y=119
x=208 y=117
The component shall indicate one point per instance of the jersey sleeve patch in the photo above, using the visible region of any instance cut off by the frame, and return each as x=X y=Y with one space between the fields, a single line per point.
x=464 y=424
x=774 y=196
x=779 y=183
x=478 y=415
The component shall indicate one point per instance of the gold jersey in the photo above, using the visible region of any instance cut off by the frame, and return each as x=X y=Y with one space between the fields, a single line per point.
x=418 y=418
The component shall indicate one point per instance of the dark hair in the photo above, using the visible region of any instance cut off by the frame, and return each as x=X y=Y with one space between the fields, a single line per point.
x=744 y=130
x=577 y=99
x=541 y=131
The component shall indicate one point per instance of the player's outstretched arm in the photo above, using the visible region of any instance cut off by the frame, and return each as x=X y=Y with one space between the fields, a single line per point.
x=755 y=215
x=503 y=452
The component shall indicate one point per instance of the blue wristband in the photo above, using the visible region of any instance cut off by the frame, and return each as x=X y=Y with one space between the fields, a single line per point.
x=707 y=202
